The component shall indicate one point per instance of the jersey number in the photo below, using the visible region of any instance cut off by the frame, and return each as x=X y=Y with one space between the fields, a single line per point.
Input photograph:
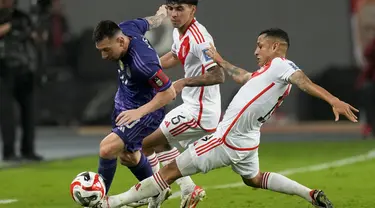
x=129 y=126
x=177 y=119
x=132 y=124
x=278 y=104
x=268 y=115
x=206 y=138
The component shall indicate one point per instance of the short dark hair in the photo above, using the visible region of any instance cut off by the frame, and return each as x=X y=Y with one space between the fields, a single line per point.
x=277 y=33
x=105 y=29
x=191 y=2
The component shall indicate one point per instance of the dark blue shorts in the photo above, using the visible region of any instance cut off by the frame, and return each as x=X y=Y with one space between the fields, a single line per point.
x=133 y=134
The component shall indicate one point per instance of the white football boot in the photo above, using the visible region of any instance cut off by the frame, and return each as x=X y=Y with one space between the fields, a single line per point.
x=155 y=202
x=191 y=200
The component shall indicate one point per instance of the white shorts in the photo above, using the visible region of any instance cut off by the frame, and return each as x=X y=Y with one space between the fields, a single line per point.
x=180 y=127
x=210 y=153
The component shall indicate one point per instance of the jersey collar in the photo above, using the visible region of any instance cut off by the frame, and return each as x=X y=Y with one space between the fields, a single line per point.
x=191 y=23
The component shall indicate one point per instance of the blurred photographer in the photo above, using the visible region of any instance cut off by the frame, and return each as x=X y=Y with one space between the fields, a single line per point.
x=17 y=67
x=366 y=83
x=365 y=57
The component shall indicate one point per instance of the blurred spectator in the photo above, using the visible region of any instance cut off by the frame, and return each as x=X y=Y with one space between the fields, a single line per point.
x=17 y=66
x=54 y=32
x=366 y=82
x=364 y=33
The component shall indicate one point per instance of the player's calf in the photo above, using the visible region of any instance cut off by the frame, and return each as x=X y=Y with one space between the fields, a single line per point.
x=170 y=172
x=110 y=147
x=137 y=163
x=166 y=157
x=153 y=158
x=254 y=182
x=279 y=183
x=151 y=144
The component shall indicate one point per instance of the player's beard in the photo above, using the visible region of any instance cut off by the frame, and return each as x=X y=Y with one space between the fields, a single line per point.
x=176 y=24
x=113 y=59
x=120 y=57
x=264 y=61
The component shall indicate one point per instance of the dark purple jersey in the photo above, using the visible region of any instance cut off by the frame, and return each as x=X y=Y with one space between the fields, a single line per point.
x=140 y=77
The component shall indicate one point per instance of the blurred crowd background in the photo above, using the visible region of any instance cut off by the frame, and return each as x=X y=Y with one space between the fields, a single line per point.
x=52 y=75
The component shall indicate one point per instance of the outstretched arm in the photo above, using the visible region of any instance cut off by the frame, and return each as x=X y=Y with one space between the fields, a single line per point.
x=239 y=75
x=215 y=75
x=169 y=60
x=160 y=100
x=338 y=107
x=156 y=20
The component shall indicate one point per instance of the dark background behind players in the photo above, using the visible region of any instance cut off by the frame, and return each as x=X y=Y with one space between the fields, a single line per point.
x=79 y=87
x=85 y=70
x=366 y=85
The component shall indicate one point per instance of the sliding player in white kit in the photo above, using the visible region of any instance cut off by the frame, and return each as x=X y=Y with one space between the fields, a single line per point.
x=236 y=140
x=200 y=112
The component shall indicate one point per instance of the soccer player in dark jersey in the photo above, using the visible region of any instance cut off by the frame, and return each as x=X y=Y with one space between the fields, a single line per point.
x=143 y=90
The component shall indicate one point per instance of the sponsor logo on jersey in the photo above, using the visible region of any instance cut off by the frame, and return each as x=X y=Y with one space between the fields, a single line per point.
x=167 y=123
x=206 y=57
x=121 y=64
x=295 y=67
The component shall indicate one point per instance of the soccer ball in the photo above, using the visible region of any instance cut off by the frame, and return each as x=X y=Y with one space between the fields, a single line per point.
x=87 y=189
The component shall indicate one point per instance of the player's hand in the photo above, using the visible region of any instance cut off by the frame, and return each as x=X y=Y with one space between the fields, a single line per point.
x=179 y=85
x=127 y=117
x=162 y=10
x=341 y=108
x=212 y=53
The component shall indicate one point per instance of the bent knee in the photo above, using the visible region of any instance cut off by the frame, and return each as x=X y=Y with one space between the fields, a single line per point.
x=254 y=182
x=129 y=159
x=170 y=172
x=106 y=152
x=111 y=146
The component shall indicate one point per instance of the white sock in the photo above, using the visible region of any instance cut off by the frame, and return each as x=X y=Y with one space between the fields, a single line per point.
x=149 y=187
x=167 y=157
x=282 y=184
x=186 y=184
x=154 y=162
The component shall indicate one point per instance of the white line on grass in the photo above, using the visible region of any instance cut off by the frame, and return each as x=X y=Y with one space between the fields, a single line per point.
x=7 y=201
x=323 y=166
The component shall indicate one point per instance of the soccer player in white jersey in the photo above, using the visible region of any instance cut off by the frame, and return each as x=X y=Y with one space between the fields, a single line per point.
x=236 y=140
x=201 y=109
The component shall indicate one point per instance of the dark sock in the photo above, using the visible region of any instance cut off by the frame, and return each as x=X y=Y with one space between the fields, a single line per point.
x=143 y=170
x=107 y=169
